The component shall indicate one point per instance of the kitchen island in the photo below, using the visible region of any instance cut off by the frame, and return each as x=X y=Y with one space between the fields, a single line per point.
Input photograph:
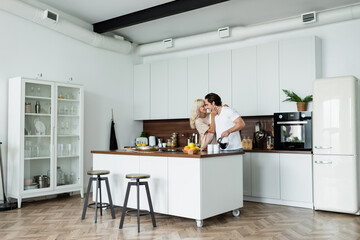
x=195 y=186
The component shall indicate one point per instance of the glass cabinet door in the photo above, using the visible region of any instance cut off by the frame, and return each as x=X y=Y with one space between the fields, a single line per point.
x=68 y=135
x=37 y=136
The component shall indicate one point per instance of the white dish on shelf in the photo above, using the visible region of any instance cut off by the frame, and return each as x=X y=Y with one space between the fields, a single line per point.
x=39 y=127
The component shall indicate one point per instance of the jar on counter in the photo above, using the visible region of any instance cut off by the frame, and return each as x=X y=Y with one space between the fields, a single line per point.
x=173 y=142
x=168 y=143
x=270 y=143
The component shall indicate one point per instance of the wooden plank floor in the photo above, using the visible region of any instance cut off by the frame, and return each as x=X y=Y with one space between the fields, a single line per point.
x=61 y=219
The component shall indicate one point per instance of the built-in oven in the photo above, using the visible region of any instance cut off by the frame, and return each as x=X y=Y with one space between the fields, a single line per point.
x=292 y=131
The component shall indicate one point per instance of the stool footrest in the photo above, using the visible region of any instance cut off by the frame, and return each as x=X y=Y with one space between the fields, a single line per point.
x=133 y=212
x=99 y=205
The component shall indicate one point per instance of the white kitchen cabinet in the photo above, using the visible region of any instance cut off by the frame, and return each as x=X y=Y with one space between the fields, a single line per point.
x=220 y=75
x=198 y=79
x=159 y=91
x=119 y=166
x=247 y=174
x=157 y=168
x=45 y=138
x=296 y=177
x=265 y=175
x=142 y=92
x=177 y=80
x=268 y=78
x=244 y=81
x=300 y=65
x=184 y=187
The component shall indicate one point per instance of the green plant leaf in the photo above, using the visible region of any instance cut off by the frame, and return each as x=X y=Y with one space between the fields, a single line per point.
x=308 y=98
x=293 y=97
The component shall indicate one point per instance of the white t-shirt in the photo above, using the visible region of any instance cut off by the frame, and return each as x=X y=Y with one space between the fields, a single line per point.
x=223 y=122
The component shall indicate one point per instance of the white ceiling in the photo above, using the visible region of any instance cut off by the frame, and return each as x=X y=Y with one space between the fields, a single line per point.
x=232 y=13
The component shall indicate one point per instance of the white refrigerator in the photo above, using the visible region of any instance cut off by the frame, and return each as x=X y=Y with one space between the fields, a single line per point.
x=336 y=144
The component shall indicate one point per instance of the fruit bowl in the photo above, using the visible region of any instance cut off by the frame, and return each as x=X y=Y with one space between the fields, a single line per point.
x=194 y=151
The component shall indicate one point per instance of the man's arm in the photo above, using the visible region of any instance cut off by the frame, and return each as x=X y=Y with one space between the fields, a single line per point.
x=239 y=124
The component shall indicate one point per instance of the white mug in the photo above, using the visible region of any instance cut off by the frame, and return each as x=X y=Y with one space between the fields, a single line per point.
x=210 y=148
x=216 y=148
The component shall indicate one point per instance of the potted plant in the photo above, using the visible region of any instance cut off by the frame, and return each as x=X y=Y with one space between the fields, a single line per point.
x=293 y=97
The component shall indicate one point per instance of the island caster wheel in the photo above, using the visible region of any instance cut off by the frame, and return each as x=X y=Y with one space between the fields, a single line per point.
x=199 y=223
x=236 y=212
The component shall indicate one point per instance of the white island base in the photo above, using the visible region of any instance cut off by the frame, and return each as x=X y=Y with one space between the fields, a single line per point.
x=191 y=187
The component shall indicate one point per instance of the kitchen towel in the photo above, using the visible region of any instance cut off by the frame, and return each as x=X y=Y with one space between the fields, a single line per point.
x=113 y=141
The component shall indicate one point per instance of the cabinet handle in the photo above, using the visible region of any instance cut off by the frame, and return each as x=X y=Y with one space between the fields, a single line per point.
x=323 y=162
x=322 y=147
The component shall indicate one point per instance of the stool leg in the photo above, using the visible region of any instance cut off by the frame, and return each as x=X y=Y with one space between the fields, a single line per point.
x=150 y=204
x=138 y=202
x=99 y=180
x=125 y=205
x=96 y=200
x=110 y=199
x=87 y=198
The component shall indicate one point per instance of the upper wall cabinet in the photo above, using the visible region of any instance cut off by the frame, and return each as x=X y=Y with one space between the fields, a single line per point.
x=220 y=75
x=268 y=78
x=178 y=88
x=244 y=82
x=249 y=79
x=198 y=79
x=300 y=65
x=142 y=92
x=159 y=90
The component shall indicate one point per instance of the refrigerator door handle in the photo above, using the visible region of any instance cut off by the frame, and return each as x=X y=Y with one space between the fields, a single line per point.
x=322 y=147
x=323 y=162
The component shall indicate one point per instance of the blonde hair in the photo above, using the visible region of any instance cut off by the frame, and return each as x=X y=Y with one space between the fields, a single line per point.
x=195 y=113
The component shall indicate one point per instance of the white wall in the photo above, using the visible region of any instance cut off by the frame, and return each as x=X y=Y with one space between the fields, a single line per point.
x=340 y=43
x=27 y=49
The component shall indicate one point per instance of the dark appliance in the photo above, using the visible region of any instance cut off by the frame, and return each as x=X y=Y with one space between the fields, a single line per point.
x=292 y=131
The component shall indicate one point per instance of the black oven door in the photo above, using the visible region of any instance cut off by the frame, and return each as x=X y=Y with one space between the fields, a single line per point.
x=292 y=135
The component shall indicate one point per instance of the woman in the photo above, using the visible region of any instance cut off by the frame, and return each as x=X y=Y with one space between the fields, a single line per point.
x=199 y=119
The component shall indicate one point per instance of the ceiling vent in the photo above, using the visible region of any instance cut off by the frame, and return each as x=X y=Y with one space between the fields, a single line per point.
x=50 y=15
x=309 y=17
x=168 y=43
x=224 y=32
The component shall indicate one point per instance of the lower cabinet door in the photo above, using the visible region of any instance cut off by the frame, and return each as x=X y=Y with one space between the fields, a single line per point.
x=296 y=177
x=157 y=168
x=265 y=175
x=247 y=174
x=184 y=187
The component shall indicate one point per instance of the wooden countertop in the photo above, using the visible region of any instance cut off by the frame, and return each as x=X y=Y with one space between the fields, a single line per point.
x=169 y=154
x=278 y=151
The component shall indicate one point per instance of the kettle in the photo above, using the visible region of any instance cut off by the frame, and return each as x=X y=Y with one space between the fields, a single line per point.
x=223 y=142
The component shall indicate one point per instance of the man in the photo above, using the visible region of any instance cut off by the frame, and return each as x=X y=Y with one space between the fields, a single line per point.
x=228 y=122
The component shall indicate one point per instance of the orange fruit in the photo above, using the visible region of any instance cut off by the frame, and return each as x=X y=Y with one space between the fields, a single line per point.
x=187 y=148
x=192 y=148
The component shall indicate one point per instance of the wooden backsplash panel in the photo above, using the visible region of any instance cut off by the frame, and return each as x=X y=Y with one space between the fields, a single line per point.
x=164 y=128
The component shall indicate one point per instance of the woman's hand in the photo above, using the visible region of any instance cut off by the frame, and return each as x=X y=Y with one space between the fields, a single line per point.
x=213 y=113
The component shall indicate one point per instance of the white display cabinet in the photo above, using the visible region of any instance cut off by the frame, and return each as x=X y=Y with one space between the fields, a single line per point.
x=45 y=134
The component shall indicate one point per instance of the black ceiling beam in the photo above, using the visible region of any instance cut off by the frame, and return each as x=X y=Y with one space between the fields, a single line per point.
x=149 y=14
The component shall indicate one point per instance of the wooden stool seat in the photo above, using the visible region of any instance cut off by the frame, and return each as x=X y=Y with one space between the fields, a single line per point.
x=98 y=172
x=137 y=176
